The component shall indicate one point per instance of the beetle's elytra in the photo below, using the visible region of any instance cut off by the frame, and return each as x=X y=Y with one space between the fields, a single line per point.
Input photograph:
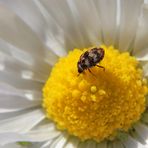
x=90 y=58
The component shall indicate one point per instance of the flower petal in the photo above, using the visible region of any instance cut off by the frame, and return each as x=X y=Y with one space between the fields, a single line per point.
x=131 y=143
x=128 y=22
x=7 y=78
x=10 y=103
x=82 y=144
x=118 y=144
x=7 y=115
x=22 y=123
x=88 y=28
x=91 y=144
x=141 y=54
x=142 y=146
x=145 y=68
x=15 y=66
x=10 y=69
x=107 y=11
x=60 y=141
x=145 y=117
x=38 y=134
x=8 y=137
x=88 y=25
x=69 y=23
x=133 y=132
x=46 y=144
x=12 y=145
x=141 y=44
x=26 y=94
x=72 y=142
x=143 y=131
x=31 y=15
x=55 y=35
x=41 y=135
x=35 y=145
x=21 y=36
x=102 y=144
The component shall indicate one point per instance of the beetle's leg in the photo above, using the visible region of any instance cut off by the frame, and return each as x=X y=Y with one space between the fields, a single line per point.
x=91 y=72
x=100 y=67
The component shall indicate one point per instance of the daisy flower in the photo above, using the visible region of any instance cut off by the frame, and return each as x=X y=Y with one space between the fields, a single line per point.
x=45 y=102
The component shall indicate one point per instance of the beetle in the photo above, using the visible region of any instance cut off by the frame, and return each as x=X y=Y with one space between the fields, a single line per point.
x=90 y=59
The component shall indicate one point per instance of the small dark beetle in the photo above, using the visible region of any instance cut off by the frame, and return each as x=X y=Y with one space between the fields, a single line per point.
x=90 y=58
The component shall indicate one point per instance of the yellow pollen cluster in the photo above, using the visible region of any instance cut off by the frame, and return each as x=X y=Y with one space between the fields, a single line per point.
x=95 y=106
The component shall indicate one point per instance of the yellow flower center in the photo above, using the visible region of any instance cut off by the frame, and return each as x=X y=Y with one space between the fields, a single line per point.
x=95 y=106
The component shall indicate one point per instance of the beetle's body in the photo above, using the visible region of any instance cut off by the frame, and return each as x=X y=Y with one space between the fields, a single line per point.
x=90 y=58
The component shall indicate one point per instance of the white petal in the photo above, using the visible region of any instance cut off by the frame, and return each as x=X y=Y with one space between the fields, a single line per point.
x=143 y=131
x=60 y=141
x=6 y=138
x=109 y=145
x=117 y=144
x=27 y=11
x=145 y=117
x=88 y=25
x=7 y=115
x=10 y=74
x=16 y=32
x=44 y=125
x=133 y=132
x=20 y=72
x=102 y=145
x=12 y=99
x=39 y=134
x=17 y=67
x=91 y=144
x=12 y=145
x=107 y=11
x=141 y=44
x=31 y=15
x=20 y=83
x=22 y=123
x=57 y=39
x=141 y=54
x=72 y=142
x=130 y=12
x=131 y=143
x=35 y=145
x=145 y=69
x=142 y=146
x=46 y=144
x=10 y=103
x=69 y=23
x=27 y=94
x=82 y=144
